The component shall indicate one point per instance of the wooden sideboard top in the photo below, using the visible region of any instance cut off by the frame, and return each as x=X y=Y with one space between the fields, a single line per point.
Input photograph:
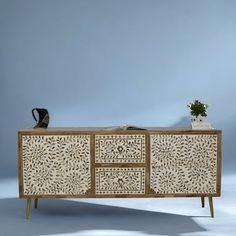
x=115 y=129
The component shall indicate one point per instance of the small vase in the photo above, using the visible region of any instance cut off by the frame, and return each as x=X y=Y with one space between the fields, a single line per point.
x=200 y=122
x=198 y=118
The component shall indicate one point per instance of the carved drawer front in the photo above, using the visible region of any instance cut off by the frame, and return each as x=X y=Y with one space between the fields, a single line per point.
x=120 y=180
x=183 y=164
x=56 y=164
x=120 y=148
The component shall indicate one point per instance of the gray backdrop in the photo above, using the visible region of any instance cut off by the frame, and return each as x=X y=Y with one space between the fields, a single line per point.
x=113 y=62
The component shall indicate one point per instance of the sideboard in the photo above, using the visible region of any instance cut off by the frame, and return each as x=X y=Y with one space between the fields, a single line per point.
x=104 y=163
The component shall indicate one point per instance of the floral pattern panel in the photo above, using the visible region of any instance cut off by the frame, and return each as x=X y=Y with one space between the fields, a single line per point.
x=120 y=148
x=56 y=164
x=120 y=180
x=183 y=164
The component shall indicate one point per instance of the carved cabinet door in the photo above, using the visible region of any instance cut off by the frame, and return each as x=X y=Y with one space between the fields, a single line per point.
x=55 y=164
x=183 y=164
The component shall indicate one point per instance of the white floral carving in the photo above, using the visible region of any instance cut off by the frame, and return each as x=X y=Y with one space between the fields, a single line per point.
x=120 y=180
x=120 y=149
x=183 y=163
x=56 y=164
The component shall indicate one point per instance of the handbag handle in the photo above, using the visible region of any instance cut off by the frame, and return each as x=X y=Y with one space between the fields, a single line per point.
x=35 y=109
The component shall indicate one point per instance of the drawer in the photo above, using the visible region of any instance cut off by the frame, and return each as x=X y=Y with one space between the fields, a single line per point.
x=120 y=148
x=119 y=180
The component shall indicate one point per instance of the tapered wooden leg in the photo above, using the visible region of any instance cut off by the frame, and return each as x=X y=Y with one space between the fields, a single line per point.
x=36 y=203
x=203 y=202
x=211 y=206
x=27 y=210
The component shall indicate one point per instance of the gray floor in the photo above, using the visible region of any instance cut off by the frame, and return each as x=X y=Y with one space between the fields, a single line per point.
x=123 y=217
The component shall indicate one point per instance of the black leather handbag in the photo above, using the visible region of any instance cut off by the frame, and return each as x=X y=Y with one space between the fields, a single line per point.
x=43 y=117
